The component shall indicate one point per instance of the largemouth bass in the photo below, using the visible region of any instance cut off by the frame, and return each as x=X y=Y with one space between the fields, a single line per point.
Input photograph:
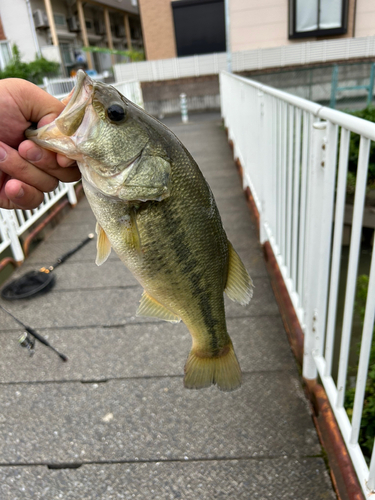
x=156 y=210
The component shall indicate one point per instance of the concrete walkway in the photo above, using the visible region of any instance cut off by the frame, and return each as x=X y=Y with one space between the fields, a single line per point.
x=115 y=421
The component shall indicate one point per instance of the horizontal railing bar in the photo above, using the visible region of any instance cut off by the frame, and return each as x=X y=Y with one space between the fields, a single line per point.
x=353 y=123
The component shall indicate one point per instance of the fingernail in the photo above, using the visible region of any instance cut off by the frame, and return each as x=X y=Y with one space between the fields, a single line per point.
x=3 y=154
x=20 y=193
x=34 y=153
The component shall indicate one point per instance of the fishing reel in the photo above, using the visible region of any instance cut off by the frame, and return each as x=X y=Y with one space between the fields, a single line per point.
x=27 y=341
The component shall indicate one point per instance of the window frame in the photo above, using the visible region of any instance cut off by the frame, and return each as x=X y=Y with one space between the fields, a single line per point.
x=63 y=16
x=293 y=34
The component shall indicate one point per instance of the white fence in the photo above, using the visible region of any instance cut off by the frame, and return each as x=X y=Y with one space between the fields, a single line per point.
x=288 y=148
x=60 y=87
x=13 y=223
x=294 y=54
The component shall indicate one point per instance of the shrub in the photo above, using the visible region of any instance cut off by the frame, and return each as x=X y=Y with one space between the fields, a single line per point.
x=33 y=71
x=367 y=114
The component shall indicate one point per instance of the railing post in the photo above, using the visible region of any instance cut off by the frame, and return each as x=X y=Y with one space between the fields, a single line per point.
x=11 y=228
x=72 y=197
x=184 y=111
x=263 y=150
x=315 y=212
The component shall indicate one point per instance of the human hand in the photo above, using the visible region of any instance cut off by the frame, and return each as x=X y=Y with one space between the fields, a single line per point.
x=26 y=170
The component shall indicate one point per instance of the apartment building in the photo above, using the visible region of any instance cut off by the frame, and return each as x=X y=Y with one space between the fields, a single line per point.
x=59 y=29
x=188 y=27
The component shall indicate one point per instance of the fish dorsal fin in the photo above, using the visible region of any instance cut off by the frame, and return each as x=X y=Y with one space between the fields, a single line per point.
x=103 y=246
x=150 y=307
x=239 y=285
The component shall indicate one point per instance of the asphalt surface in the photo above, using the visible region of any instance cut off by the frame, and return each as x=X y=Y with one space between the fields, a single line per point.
x=115 y=421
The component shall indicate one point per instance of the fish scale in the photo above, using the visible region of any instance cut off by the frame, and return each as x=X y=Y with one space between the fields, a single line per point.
x=156 y=210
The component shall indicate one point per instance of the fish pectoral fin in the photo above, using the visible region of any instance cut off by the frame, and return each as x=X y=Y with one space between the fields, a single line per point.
x=103 y=246
x=136 y=237
x=239 y=286
x=151 y=308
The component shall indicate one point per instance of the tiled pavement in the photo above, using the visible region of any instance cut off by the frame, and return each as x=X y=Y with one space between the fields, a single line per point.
x=115 y=421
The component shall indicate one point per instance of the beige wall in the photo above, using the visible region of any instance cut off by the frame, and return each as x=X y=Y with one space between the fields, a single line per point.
x=158 y=29
x=365 y=18
x=255 y=24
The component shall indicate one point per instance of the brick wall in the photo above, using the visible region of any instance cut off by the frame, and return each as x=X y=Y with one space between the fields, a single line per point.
x=2 y=34
x=158 y=29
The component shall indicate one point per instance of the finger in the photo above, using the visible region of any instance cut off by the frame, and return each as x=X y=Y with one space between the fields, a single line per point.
x=38 y=103
x=46 y=161
x=16 y=167
x=65 y=162
x=17 y=194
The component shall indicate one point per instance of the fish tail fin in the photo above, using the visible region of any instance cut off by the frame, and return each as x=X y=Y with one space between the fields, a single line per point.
x=224 y=371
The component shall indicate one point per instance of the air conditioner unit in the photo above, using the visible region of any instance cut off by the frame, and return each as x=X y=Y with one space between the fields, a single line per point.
x=99 y=27
x=40 y=19
x=73 y=24
x=120 y=31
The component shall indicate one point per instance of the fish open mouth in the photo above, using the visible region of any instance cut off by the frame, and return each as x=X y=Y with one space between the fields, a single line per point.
x=68 y=122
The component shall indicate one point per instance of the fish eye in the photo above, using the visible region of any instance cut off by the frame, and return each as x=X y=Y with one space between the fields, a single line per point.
x=115 y=113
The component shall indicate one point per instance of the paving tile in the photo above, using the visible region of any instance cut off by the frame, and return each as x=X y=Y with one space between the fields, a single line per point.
x=112 y=306
x=154 y=419
x=284 y=479
x=72 y=232
x=139 y=350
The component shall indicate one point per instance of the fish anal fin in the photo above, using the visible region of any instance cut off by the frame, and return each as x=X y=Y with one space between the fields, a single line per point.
x=103 y=246
x=151 y=308
x=224 y=371
x=239 y=286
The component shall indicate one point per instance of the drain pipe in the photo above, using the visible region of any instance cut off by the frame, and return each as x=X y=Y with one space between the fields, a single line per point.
x=36 y=43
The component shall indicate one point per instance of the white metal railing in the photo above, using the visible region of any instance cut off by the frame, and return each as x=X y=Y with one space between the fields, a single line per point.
x=294 y=54
x=60 y=87
x=288 y=148
x=132 y=90
x=13 y=223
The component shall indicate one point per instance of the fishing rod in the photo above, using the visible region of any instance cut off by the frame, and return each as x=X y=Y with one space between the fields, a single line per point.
x=25 y=340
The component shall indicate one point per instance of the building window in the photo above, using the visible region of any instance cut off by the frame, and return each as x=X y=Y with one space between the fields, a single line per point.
x=317 y=18
x=5 y=54
x=89 y=24
x=199 y=26
x=67 y=53
x=60 y=20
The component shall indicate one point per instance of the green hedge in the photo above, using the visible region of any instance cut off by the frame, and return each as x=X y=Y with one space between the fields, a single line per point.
x=33 y=71
x=367 y=114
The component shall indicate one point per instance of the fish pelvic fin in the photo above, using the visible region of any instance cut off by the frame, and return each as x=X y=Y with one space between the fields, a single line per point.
x=103 y=246
x=224 y=371
x=151 y=308
x=239 y=286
